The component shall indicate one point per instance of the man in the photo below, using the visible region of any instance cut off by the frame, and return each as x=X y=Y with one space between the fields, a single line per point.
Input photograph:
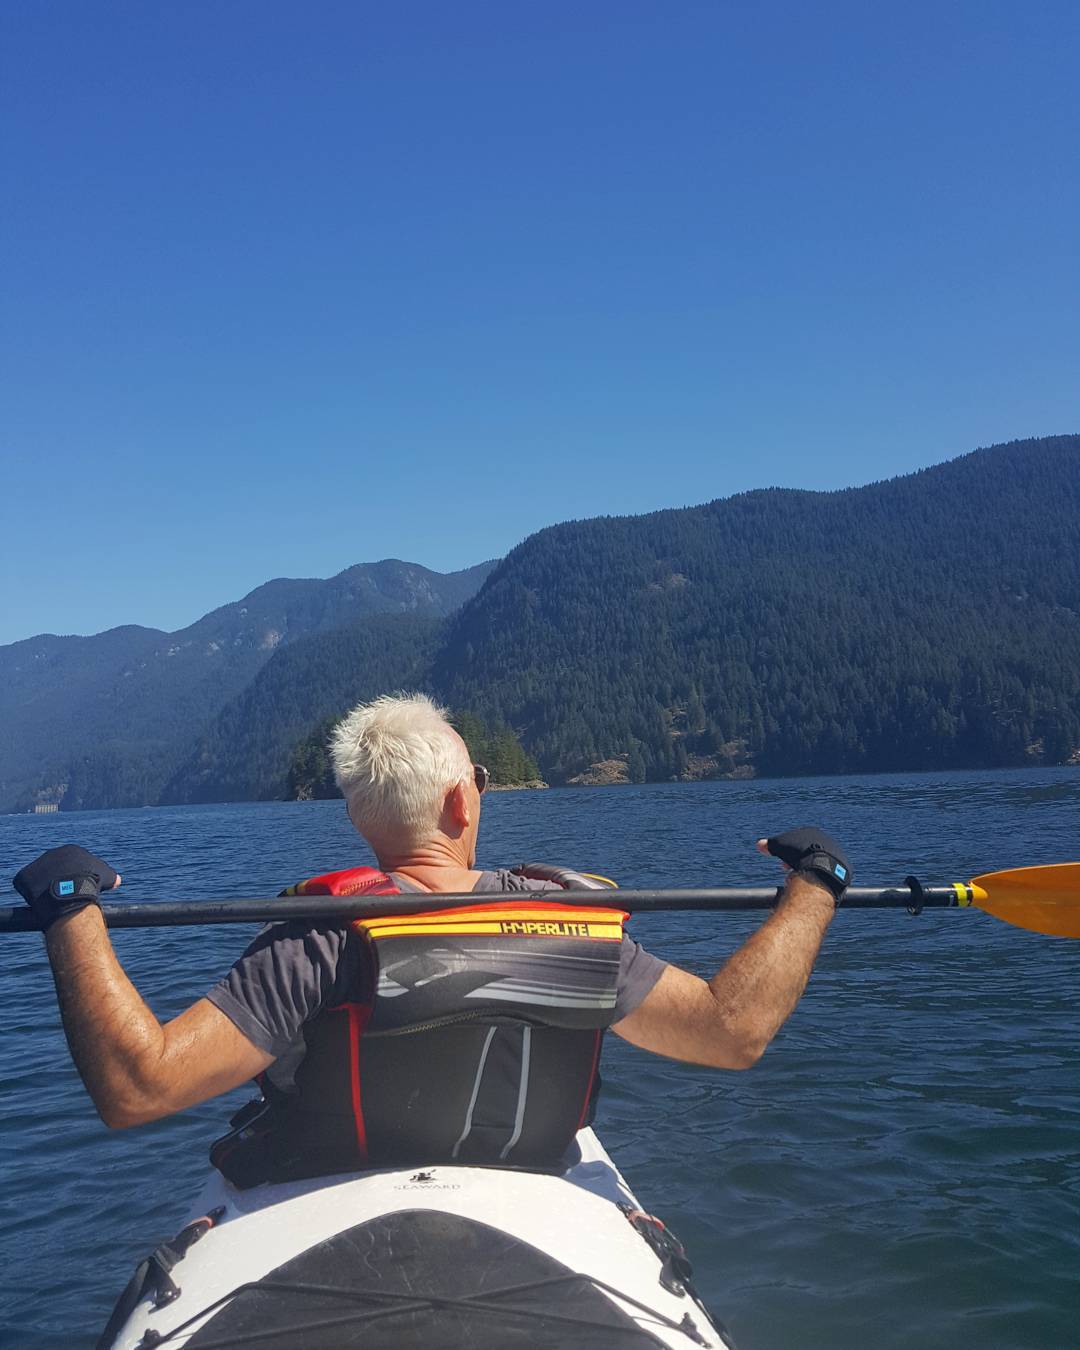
x=302 y=1006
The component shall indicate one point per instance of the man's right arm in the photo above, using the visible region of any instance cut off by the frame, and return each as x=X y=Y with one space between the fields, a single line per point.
x=136 y=1069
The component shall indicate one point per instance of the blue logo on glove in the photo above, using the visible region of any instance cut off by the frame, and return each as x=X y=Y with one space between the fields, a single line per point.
x=66 y=888
x=841 y=872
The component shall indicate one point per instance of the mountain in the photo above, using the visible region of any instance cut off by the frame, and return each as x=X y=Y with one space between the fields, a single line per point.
x=106 y=720
x=928 y=622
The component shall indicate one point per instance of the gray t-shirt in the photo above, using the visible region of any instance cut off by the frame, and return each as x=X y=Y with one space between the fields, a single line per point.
x=292 y=971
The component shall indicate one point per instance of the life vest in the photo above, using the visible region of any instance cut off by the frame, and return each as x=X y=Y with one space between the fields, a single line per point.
x=477 y=1041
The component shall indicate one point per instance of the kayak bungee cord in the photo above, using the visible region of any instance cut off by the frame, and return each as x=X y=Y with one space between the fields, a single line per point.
x=407 y=1303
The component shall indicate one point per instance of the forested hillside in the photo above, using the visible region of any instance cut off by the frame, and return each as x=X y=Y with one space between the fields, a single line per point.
x=928 y=622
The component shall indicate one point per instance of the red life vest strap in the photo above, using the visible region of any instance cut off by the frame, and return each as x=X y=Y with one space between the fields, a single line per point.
x=351 y=881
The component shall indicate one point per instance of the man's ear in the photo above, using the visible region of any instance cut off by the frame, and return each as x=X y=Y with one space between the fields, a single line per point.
x=457 y=806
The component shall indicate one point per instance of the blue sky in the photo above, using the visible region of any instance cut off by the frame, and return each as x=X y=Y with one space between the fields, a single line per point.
x=291 y=287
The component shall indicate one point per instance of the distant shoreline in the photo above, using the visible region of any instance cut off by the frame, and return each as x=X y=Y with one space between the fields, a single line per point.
x=1004 y=770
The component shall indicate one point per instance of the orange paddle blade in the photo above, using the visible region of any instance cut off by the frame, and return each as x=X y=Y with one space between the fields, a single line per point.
x=1043 y=899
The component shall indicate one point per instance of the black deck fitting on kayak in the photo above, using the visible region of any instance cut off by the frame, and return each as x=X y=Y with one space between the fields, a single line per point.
x=676 y=1272
x=153 y=1276
x=918 y=895
x=169 y=1254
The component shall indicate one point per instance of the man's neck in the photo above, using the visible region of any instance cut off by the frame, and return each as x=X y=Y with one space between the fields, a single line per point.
x=446 y=880
x=435 y=866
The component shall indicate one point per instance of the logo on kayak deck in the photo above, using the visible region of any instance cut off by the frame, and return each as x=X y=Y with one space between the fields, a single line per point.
x=425 y=1181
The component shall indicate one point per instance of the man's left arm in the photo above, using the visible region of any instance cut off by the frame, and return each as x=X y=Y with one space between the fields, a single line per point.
x=727 y=1022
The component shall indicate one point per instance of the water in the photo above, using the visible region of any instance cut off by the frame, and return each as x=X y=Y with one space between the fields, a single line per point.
x=902 y=1169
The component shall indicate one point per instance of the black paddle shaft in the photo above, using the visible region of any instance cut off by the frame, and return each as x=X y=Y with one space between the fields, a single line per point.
x=328 y=908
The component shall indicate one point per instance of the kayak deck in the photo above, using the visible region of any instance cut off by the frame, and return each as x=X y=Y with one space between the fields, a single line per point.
x=446 y=1257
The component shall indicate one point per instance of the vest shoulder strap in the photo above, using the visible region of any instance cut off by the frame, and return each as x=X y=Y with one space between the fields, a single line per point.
x=351 y=881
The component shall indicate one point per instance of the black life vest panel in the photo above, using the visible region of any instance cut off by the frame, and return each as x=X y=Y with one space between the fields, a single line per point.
x=478 y=1043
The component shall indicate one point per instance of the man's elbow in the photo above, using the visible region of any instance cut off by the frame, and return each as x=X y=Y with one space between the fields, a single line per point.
x=115 y=1117
x=738 y=1048
x=750 y=1051
x=737 y=1055
x=125 y=1114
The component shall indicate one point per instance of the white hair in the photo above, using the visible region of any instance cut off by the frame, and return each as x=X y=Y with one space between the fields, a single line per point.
x=394 y=761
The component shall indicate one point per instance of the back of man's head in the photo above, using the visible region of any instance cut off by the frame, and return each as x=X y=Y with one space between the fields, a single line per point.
x=394 y=760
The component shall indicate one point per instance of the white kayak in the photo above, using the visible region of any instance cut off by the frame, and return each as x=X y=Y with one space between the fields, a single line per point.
x=444 y=1257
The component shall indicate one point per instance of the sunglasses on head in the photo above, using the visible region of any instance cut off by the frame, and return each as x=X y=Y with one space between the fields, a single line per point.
x=481 y=778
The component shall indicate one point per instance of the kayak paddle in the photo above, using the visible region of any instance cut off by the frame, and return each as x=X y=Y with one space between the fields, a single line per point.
x=1042 y=899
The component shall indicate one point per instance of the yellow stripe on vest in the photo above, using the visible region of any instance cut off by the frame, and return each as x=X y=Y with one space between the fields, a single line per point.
x=570 y=928
x=518 y=921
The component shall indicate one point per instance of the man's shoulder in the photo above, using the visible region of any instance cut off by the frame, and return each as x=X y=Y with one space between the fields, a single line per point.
x=297 y=941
